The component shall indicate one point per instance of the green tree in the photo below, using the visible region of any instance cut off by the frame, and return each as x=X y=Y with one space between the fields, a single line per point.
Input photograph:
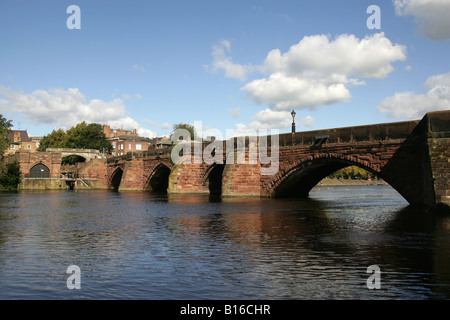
x=5 y=126
x=185 y=126
x=10 y=175
x=351 y=172
x=87 y=136
x=82 y=135
x=56 y=139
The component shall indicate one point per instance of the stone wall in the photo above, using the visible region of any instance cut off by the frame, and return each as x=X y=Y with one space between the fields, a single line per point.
x=27 y=160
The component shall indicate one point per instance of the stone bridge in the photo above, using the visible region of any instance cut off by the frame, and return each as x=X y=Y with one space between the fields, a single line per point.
x=87 y=154
x=412 y=156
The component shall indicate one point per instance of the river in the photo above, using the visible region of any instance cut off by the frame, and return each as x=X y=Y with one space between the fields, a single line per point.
x=141 y=245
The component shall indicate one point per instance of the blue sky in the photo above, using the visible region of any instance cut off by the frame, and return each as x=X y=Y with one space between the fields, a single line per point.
x=231 y=65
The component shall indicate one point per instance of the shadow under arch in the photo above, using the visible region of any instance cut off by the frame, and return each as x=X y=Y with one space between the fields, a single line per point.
x=72 y=159
x=116 y=178
x=158 y=180
x=305 y=175
x=213 y=178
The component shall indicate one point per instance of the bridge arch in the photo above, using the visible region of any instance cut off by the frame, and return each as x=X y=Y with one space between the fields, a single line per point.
x=115 y=178
x=299 y=179
x=158 y=181
x=213 y=178
x=67 y=158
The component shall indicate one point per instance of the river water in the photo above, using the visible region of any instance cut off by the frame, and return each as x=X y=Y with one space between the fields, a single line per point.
x=140 y=245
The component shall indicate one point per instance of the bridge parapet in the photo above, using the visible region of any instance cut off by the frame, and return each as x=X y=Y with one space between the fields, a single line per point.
x=70 y=150
x=375 y=132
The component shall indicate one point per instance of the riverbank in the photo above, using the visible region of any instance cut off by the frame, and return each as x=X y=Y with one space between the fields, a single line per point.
x=350 y=182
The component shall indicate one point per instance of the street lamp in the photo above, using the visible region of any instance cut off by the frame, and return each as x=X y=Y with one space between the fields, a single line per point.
x=293 y=122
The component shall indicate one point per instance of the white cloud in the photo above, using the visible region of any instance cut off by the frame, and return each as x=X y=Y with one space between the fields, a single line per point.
x=64 y=108
x=269 y=119
x=430 y=15
x=318 y=71
x=235 y=113
x=282 y=92
x=307 y=121
x=142 y=132
x=414 y=106
x=223 y=62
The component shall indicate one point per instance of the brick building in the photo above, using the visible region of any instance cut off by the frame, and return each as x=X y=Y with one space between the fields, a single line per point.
x=114 y=133
x=125 y=143
x=21 y=141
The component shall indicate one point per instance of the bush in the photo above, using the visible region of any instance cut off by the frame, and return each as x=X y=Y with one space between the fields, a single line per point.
x=10 y=175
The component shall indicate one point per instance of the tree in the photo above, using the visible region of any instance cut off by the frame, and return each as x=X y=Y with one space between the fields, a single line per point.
x=10 y=175
x=5 y=126
x=87 y=136
x=351 y=172
x=56 y=139
x=82 y=136
x=190 y=128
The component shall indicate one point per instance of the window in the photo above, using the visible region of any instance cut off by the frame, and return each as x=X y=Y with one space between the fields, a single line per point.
x=12 y=147
x=28 y=146
x=129 y=146
x=138 y=147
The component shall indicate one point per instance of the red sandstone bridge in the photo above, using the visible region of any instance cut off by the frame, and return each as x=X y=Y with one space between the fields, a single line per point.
x=412 y=156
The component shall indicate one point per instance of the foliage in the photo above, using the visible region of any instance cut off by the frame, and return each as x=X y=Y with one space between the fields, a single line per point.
x=56 y=139
x=10 y=175
x=87 y=136
x=73 y=159
x=351 y=172
x=187 y=127
x=83 y=136
x=5 y=125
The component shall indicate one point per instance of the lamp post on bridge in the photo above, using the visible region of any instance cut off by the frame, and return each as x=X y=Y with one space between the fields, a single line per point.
x=293 y=122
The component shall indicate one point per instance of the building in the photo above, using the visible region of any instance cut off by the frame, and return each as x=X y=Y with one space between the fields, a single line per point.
x=20 y=141
x=125 y=143
x=160 y=142
x=114 y=133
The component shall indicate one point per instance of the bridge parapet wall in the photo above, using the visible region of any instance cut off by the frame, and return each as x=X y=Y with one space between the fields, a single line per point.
x=375 y=132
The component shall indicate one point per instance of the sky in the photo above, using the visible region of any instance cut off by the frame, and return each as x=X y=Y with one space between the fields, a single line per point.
x=234 y=67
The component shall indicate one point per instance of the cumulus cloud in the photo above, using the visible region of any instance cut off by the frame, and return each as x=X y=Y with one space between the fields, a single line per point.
x=269 y=119
x=430 y=15
x=410 y=105
x=64 y=108
x=223 y=62
x=318 y=70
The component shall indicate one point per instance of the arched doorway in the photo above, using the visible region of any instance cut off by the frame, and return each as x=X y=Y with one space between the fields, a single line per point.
x=40 y=171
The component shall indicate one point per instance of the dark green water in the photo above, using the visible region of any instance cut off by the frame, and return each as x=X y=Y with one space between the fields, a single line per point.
x=139 y=245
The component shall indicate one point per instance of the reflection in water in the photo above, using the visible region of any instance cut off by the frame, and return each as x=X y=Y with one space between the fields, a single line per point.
x=144 y=245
